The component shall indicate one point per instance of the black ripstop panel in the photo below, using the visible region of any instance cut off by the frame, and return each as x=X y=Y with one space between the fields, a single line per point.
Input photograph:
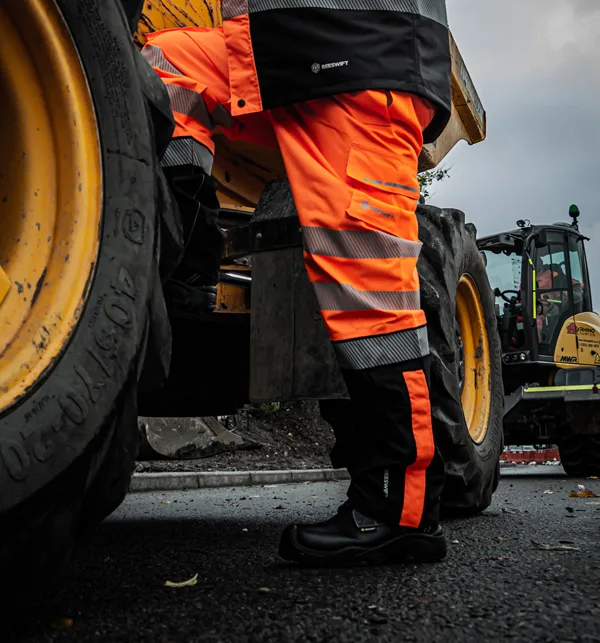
x=368 y=50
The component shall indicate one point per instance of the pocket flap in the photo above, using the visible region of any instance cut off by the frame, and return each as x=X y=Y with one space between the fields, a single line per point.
x=381 y=171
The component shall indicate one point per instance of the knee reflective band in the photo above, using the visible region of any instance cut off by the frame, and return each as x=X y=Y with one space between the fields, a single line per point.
x=187 y=151
x=381 y=350
x=335 y=296
x=358 y=244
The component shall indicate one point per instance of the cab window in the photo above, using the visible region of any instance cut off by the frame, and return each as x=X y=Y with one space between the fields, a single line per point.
x=554 y=302
x=581 y=294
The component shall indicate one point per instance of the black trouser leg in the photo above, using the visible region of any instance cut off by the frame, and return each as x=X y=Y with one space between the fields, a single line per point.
x=388 y=445
x=338 y=413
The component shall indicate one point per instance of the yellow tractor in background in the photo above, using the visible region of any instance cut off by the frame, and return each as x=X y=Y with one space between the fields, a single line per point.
x=91 y=233
x=550 y=339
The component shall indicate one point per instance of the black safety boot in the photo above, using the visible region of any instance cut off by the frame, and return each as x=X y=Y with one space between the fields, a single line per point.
x=192 y=289
x=350 y=538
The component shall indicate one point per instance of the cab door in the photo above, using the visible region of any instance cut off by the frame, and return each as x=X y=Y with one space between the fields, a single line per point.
x=582 y=299
x=554 y=291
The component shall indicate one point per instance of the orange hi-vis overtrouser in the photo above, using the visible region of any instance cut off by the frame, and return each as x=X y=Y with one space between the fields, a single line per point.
x=351 y=161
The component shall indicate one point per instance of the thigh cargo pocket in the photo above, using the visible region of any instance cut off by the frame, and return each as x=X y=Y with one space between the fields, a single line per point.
x=384 y=194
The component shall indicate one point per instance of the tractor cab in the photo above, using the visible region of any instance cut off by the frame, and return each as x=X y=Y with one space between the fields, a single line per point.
x=561 y=279
x=540 y=279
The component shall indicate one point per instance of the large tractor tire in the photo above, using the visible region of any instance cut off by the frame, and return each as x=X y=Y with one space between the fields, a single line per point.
x=580 y=455
x=580 y=452
x=466 y=376
x=80 y=199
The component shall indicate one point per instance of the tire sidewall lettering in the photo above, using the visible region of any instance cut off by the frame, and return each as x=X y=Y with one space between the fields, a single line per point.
x=67 y=408
x=74 y=406
x=114 y=325
x=15 y=458
x=119 y=313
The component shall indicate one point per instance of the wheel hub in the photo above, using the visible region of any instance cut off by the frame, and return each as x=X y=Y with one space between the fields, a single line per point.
x=474 y=358
x=50 y=191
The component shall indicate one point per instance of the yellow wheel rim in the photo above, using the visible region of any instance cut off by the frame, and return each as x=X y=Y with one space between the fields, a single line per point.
x=50 y=191
x=476 y=390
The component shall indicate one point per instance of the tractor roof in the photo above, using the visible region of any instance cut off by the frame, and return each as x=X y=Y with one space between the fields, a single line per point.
x=512 y=240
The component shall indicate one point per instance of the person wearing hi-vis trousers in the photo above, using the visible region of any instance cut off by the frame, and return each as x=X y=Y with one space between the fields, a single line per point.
x=349 y=90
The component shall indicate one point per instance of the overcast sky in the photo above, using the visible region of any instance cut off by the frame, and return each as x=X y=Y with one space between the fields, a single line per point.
x=536 y=67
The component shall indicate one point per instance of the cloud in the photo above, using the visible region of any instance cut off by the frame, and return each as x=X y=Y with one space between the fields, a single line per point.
x=534 y=65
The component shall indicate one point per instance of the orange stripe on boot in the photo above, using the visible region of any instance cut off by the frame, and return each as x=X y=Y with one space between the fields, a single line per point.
x=415 y=480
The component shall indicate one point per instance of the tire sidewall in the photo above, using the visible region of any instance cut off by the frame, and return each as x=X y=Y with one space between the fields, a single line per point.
x=51 y=426
x=489 y=449
x=449 y=251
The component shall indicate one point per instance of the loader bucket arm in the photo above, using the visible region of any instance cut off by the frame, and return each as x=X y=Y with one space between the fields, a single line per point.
x=468 y=120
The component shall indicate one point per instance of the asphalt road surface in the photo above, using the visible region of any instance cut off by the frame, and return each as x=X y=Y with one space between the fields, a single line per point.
x=495 y=584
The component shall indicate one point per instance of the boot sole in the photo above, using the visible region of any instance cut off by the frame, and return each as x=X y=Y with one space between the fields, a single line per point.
x=419 y=548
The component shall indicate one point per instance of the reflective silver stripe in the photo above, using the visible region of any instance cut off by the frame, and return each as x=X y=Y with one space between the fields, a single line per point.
x=433 y=9
x=332 y=296
x=154 y=55
x=187 y=151
x=233 y=8
x=390 y=184
x=358 y=244
x=188 y=102
x=380 y=350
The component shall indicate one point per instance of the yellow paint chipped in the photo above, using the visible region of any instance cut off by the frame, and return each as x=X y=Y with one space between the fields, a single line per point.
x=4 y=285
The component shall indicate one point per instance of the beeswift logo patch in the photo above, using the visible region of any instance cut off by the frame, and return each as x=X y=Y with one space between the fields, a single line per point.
x=317 y=67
